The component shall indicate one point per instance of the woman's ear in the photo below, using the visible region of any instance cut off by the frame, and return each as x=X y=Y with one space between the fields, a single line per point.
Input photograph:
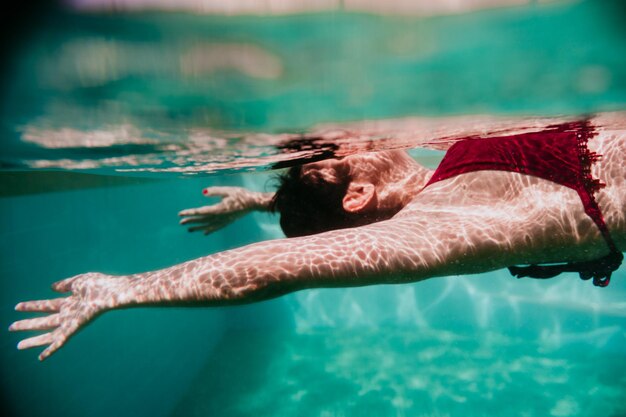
x=359 y=197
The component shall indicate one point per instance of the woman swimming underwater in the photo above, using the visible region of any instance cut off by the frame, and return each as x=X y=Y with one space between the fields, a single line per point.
x=542 y=197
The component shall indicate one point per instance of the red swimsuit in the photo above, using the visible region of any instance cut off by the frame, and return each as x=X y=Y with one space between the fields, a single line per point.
x=559 y=154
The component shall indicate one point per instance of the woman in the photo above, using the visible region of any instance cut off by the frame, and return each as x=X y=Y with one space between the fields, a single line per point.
x=532 y=198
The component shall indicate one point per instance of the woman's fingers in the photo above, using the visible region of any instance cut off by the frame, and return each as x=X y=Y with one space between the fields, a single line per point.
x=52 y=348
x=196 y=219
x=41 y=305
x=202 y=211
x=66 y=284
x=62 y=335
x=37 y=323
x=191 y=219
x=70 y=313
x=41 y=340
x=55 y=339
x=218 y=191
x=191 y=212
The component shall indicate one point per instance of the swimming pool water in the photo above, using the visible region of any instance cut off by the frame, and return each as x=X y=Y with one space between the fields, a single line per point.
x=478 y=345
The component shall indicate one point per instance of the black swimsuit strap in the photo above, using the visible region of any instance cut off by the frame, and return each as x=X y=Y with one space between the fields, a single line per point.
x=599 y=269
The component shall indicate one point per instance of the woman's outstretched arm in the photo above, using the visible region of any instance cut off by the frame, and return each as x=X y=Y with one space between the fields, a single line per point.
x=384 y=252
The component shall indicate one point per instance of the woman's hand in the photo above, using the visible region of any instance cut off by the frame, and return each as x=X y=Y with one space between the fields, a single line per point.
x=91 y=294
x=236 y=203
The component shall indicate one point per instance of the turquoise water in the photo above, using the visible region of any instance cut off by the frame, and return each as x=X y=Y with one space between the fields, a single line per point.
x=475 y=346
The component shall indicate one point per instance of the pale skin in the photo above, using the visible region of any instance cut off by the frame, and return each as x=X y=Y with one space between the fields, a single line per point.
x=475 y=222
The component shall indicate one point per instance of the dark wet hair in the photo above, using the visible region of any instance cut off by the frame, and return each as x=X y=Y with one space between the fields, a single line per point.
x=310 y=204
